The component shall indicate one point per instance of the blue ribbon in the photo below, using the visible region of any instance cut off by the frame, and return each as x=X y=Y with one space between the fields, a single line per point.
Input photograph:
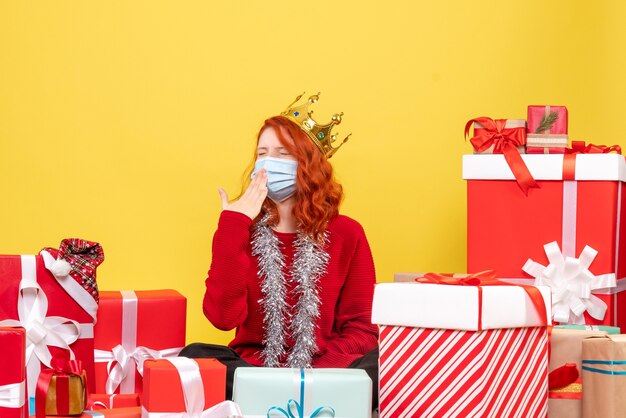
x=299 y=406
x=605 y=363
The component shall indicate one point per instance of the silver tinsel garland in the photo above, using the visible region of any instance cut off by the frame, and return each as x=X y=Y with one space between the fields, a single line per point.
x=309 y=264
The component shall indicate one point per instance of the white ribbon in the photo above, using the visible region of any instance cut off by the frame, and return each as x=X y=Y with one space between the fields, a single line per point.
x=127 y=357
x=41 y=330
x=193 y=394
x=12 y=395
x=571 y=283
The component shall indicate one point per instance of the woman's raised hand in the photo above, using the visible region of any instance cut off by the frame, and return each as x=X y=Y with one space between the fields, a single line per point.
x=252 y=199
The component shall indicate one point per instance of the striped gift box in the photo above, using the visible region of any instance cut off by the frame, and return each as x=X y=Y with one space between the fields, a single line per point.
x=447 y=351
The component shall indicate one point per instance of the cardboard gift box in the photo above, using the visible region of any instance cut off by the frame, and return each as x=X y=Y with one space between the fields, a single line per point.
x=57 y=312
x=182 y=385
x=509 y=141
x=462 y=350
x=571 y=224
x=13 y=398
x=62 y=389
x=97 y=401
x=566 y=348
x=130 y=330
x=265 y=392
x=604 y=376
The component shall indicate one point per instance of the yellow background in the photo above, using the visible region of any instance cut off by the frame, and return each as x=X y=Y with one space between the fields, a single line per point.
x=120 y=119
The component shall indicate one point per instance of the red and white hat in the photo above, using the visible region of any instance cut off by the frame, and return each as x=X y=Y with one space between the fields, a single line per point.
x=78 y=258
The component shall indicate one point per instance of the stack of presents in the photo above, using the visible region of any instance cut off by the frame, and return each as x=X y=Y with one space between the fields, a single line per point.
x=532 y=329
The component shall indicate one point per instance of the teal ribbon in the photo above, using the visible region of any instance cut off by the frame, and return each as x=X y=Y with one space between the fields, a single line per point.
x=299 y=406
x=605 y=363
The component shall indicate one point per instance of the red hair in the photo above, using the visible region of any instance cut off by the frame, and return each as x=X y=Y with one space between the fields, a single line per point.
x=318 y=194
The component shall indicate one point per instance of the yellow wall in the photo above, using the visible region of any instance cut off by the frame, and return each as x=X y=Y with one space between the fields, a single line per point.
x=120 y=119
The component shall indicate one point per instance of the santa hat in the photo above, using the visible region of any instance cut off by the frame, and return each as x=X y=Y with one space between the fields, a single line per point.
x=78 y=258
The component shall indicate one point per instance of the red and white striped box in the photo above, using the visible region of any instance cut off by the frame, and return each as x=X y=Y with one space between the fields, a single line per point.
x=470 y=351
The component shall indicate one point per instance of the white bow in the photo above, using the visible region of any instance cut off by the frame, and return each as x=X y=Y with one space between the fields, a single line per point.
x=571 y=283
x=41 y=330
x=12 y=395
x=193 y=394
x=122 y=364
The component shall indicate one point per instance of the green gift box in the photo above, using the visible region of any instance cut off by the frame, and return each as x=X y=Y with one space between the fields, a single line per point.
x=264 y=392
x=607 y=329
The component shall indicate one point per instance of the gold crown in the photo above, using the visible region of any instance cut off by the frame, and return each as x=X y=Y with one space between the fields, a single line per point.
x=319 y=134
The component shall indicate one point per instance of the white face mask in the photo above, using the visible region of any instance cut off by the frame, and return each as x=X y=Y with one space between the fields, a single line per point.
x=281 y=176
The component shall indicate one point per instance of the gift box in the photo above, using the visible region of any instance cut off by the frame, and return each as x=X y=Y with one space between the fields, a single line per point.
x=61 y=390
x=604 y=376
x=55 y=309
x=13 y=397
x=566 y=348
x=97 y=401
x=182 y=385
x=514 y=128
x=470 y=349
x=130 y=330
x=129 y=412
x=604 y=328
x=493 y=136
x=266 y=392
x=547 y=121
x=564 y=234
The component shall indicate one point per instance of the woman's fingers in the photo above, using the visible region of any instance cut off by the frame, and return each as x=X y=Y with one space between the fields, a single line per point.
x=223 y=197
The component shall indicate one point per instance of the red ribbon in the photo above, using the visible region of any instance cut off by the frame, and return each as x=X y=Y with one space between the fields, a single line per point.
x=505 y=141
x=562 y=376
x=579 y=147
x=62 y=368
x=488 y=278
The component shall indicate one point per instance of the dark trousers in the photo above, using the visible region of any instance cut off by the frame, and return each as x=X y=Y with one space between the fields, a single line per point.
x=228 y=357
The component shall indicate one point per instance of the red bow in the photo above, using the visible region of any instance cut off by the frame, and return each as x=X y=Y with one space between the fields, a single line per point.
x=62 y=368
x=487 y=278
x=579 y=147
x=562 y=376
x=505 y=141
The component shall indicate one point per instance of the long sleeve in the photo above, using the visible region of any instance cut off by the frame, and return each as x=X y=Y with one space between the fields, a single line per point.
x=356 y=335
x=225 y=301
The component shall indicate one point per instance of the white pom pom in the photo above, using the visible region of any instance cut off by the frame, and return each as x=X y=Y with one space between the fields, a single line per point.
x=60 y=268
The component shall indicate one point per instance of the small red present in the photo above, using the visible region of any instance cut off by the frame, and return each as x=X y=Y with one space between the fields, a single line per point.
x=54 y=297
x=12 y=373
x=546 y=121
x=130 y=330
x=98 y=401
x=170 y=383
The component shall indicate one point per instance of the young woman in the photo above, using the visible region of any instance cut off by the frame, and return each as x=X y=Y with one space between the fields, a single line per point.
x=292 y=275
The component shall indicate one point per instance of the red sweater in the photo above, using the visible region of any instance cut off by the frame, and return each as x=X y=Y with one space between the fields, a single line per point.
x=344 y=330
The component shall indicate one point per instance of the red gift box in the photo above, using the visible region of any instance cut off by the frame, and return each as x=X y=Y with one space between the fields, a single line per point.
x=577 y=211
x=462 y=350
x=557 y=115
x=545 y=150
x=98 y=401
x=12 y=373
x=130 y=330
x=56 y=311
x=171 y=384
